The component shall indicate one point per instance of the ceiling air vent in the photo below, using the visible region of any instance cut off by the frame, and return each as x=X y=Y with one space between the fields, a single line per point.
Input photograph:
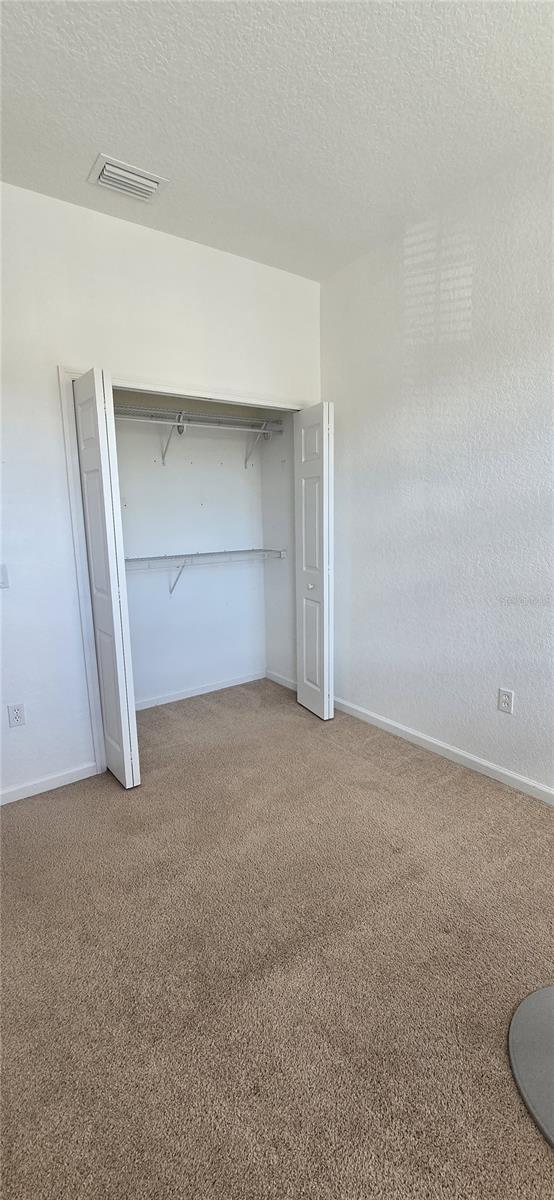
x=122 y=177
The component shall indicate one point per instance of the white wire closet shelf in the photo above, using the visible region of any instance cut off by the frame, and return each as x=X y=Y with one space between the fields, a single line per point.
x=178 y=562
x=181 y=420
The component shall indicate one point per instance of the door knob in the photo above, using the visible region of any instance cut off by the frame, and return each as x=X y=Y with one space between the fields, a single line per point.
x=311 y=587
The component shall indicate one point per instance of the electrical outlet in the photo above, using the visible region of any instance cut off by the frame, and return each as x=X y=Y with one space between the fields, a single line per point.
x=16 y=715
x=505 y=700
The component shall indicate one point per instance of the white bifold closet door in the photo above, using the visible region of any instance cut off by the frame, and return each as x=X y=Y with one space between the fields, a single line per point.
x=313 y=482
x=102 y=513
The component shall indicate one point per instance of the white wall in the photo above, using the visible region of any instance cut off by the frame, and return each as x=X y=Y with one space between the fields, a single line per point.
x=210 y=631
x=81 y=288
x=436 y=351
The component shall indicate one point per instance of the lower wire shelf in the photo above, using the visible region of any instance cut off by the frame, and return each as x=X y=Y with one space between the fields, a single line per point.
x=178 y=562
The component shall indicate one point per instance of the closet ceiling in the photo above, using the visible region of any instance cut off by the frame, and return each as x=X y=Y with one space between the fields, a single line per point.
x=296 y=134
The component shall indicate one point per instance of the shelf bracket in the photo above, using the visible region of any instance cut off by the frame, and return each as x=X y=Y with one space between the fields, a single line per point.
x=250 y=450
x=173 y=585
x=180 y=430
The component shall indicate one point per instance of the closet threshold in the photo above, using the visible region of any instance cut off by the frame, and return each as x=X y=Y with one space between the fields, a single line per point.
x=202 y=557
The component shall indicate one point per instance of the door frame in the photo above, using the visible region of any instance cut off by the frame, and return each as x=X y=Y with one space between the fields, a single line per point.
x=66 y=376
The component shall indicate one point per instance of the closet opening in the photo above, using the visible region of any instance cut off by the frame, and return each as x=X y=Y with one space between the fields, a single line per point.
x=203 y=536
x=207 y=508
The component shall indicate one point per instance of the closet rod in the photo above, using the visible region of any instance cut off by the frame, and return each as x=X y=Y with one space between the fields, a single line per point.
x=195 y=555
x=208 y=557
x=191 y=420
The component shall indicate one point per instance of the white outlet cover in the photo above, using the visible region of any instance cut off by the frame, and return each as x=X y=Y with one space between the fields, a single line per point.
x=16 y=715
x=506 y=700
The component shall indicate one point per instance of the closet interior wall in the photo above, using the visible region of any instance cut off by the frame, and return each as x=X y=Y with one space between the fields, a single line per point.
x=224 y=622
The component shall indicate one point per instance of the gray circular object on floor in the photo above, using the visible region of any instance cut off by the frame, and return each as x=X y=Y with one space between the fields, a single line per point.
x=531 y=1049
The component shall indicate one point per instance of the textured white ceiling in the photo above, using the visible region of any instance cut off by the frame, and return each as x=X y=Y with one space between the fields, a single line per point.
x=292 y=133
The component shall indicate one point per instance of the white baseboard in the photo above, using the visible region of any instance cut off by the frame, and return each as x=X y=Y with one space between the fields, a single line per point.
x=282 y=679
x=531 y=787
x=48 y=783
x=520 y=782
x=154 y=701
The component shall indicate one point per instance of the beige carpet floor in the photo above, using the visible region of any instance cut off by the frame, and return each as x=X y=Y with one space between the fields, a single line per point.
x=282 y=968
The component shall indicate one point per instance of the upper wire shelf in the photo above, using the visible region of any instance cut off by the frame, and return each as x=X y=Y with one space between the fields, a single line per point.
x=181 y=421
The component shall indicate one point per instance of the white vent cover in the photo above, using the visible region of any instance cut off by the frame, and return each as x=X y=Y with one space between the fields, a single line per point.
x=122 y=177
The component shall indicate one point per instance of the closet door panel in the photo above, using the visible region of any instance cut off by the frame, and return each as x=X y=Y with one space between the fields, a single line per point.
x=313 y=469
x=102 y=517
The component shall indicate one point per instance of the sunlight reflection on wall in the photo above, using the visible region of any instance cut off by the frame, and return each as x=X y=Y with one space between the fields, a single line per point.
x=438 y=280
